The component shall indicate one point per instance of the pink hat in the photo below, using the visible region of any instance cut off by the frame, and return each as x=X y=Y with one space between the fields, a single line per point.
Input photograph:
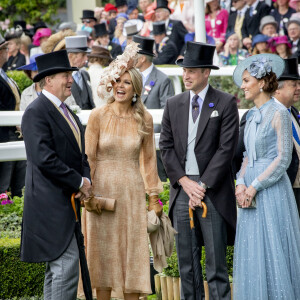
x=39 y=34
x=277 y=40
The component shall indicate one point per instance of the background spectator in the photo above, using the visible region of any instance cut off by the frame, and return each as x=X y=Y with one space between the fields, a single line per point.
x=24 y=49
x=255 y=12
x=268 y=26
x=119 y=38
x=133 y=13
x=236 y=17
x=39 y=38
x=260 y=44
x=280 y=45
x=88 y=20
x=216 y=20
x=232 y=54
x=282 y=13
x=188 y=15
x=293 y=28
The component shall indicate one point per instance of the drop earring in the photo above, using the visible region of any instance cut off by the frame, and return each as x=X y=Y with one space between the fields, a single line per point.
x=134 y=98
x=261 y=90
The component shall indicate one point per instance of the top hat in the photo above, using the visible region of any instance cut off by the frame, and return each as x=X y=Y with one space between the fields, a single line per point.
x=132 y=27
x=293 y=19
x=275 y=61
x=121 y=3
x=32 y=64
x=88 y=14
x=13 y=33
x=162 y=4
x=100 y=30
x=38 y=25
x=198 y=55
x=290 y=70
x=145 y=44
x=3 y=42
x=159 y=28
x=101 y=52
x=52 y=63
x=267 y=20
x=78 y=43
x=20 y=23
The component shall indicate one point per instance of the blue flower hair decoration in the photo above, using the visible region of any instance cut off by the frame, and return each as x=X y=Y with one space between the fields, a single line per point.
x=260 y=67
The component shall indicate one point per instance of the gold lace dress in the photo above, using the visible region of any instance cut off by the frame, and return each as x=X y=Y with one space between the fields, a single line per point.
x=123 y=166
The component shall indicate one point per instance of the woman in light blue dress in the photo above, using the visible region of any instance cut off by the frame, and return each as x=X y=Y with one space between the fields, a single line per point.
x=267 y=244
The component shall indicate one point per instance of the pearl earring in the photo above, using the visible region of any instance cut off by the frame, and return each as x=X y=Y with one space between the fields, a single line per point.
x=134 y=98
x=261 y=90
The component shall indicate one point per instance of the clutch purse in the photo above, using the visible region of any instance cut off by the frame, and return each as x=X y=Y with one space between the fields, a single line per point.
x=253 y=204
x=98 y=203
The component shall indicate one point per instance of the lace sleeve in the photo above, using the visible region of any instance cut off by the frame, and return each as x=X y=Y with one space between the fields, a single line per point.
x=283 y=127
x=241 y=174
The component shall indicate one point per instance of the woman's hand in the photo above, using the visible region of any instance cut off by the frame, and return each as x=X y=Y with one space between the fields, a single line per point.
x=240 y=193
x=249 y=195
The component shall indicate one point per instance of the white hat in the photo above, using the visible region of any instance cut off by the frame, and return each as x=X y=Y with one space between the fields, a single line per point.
x=75 y=44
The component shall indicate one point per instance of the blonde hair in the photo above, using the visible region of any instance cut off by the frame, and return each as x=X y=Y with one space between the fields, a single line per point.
x=138 y=107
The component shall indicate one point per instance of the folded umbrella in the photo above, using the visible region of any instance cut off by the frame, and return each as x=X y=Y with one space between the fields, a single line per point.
x=86 y=282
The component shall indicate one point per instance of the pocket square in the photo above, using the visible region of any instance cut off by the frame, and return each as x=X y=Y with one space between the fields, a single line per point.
x=214 y=114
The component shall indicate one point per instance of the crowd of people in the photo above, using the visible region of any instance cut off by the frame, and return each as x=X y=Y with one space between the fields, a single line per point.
x=107 y=65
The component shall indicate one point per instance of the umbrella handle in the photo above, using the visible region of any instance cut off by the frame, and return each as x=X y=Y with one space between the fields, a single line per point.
x=191 y=214
x=204 y=209
x=73 y=205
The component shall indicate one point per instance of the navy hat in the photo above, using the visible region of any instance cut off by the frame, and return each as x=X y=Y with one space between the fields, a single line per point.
x=88 y=14
x=121 y=3
x=145 y=44
x=162 y=4
x=100 y=30
x=276 y=62
x=52 y=63
x=159 y=28
x=291 y=71
x=38 y=25
x=131 y=8
x=259 y=38
x=198 y=55
x=32 y=64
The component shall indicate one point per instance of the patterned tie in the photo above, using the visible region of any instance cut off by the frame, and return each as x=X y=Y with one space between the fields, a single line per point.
x=295 y=134
x=195 y=108
x=66 y=113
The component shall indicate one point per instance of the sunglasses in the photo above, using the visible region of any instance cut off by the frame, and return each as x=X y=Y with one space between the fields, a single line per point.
x=87 y=21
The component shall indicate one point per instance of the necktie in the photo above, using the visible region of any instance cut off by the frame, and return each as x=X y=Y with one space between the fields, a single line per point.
x=295 y=134
x=66 y=113
x=251 y=11
x=195 y=108
x=78 y=78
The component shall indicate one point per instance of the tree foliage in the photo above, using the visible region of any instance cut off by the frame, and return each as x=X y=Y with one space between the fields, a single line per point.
x=29 y=10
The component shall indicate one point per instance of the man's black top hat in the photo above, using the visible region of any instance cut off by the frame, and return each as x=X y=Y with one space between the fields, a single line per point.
x=162 y=4
x=39 y=25
x=159 y=28
x=52 y=63
x=88 y=14
x=290 y=70
x=145 y=44
x=198 y=55
x=121 y=3
x=100 y=30
x=20 y=23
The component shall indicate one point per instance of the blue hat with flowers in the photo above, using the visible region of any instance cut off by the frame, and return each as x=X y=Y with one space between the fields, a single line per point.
x=32 y=64
x=259 y=66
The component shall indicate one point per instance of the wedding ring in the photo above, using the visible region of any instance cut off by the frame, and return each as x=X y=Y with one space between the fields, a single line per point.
x=247 y=199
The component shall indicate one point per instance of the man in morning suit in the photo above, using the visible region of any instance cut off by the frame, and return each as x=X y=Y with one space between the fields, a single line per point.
x=77 y=49
x=256 y=11
x=157 y=87
x=198 y=138
x=56 y=167
x=174 y=28
x=12 y=173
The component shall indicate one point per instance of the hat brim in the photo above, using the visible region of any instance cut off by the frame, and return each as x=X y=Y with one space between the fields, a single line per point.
x=163 y=7
x=277 y=64
x=89 y=18
x=179 y=62
x=29 y=67
x=76 y=50
x=289 y=77
x=52 y=71
x=146 y=53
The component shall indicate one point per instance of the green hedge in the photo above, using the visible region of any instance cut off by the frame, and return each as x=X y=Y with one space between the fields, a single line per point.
x=18 y=279
x=21 y=79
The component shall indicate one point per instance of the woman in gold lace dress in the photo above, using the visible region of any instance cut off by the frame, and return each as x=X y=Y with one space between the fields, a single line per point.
x=121 y=152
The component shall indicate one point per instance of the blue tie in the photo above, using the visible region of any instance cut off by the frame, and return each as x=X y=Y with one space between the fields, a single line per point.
x=78 y=78
x=295 y=134
x=251 y=11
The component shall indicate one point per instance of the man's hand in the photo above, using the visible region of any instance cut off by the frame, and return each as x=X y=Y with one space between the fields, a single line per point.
x=85 y=191
x=195 y=192
x=240 y=193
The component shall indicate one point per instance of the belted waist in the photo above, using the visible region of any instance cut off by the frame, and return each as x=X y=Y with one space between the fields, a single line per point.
x=263 y=161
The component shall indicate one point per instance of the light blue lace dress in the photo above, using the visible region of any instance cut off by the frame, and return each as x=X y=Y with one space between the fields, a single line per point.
x=267 y=244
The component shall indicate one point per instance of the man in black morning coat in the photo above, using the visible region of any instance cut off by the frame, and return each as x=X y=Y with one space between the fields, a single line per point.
x=56 y=167
x=198 y=139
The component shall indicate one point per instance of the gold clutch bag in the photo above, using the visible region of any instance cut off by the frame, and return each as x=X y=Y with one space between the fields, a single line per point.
x=98 y=203
x=253 y=204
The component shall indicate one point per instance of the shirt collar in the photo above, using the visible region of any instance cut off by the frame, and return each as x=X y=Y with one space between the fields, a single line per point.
x=202 y=94
x=243 y=10
x=146 y=72
x=52 y=98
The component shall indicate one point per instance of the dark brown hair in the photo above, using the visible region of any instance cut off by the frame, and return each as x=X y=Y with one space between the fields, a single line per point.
x=271 y=83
